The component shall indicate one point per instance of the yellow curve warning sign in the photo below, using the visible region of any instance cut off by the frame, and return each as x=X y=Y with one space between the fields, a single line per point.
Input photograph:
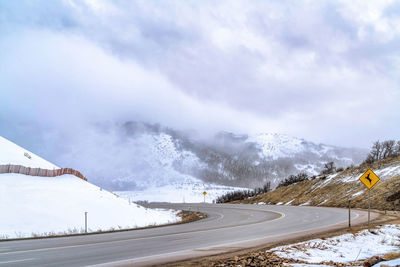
x=369 y=179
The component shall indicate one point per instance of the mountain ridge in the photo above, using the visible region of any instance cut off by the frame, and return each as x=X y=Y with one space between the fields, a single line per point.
x=242 y=160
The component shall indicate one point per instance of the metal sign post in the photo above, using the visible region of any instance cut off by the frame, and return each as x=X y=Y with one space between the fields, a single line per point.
x=204 y=193
x=369 y=206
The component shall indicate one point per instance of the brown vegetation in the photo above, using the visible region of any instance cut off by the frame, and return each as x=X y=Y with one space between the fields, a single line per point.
x=190 y=216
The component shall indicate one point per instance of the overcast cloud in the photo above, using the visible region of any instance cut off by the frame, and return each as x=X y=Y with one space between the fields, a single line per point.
x=327 y=71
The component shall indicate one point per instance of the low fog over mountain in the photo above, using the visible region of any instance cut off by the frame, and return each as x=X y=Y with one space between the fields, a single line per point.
x=136 y=156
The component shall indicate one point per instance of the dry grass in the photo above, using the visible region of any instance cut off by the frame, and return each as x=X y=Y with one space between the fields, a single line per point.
x=391 y=256
x=190 y=216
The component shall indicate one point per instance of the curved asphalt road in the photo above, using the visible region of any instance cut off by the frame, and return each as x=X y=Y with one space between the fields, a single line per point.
x=227 y=228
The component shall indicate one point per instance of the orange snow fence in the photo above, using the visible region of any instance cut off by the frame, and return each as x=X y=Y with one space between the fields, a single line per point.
x=9 y=168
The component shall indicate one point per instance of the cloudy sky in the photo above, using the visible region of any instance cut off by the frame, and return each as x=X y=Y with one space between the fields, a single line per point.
x=327 y=71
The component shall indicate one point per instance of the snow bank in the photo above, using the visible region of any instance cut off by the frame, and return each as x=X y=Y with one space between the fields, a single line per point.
x=54 y=205
x=11 y=153
x=345 y=248
x=393 y=263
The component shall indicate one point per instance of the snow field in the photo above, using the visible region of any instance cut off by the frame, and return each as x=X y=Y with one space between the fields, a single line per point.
x=345 y=248
x=56 y=205
x=189 y=193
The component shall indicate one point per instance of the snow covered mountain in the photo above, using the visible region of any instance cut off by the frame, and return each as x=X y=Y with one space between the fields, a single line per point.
x=32 y=205
x=276 y=146
x=306 y=156
x=257 y=159
x=143 y=157
x=155 y=163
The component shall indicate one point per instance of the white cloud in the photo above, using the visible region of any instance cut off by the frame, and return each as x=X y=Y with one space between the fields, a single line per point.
x=65 y=80
x=320 y=70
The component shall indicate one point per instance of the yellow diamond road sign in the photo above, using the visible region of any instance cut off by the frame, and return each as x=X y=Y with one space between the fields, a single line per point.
x=204 y=193
x=369 y=179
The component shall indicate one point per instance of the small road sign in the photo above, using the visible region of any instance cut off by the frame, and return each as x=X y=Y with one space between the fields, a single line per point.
x=369 y=179
x=204 y=193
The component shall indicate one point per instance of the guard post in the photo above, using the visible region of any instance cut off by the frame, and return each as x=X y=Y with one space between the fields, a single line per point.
x=86 y=221
x=349 y=213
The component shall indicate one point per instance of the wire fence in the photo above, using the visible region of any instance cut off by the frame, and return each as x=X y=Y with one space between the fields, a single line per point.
x=9 y=168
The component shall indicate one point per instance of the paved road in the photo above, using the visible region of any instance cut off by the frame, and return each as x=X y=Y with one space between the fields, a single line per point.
x=227 y=228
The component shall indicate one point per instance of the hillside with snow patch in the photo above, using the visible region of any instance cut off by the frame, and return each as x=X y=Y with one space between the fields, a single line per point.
x=35 y=206
x=336 y=189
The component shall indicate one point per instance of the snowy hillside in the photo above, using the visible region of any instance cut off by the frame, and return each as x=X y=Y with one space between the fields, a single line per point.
x=11 y=153
x=32 y=205
x=56 y=205
x=276 y=146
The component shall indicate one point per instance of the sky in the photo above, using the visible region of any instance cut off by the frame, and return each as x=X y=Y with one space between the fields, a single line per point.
x=326 y=71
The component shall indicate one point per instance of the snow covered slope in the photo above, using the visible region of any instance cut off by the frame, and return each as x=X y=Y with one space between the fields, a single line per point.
x=302 y=155
x=32 y=205
x=11 y=153
x=55 y=205
x=276 y=146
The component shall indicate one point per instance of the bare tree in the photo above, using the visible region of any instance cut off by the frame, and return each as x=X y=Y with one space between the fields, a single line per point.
x=388 y=148
x=382 y=150
x=329 y=167
x=376 y=151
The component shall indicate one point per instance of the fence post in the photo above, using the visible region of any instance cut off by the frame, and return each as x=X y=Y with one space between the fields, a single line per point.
x=86 y=221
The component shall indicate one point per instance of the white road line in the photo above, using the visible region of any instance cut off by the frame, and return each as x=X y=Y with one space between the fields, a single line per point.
x=6 y=262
